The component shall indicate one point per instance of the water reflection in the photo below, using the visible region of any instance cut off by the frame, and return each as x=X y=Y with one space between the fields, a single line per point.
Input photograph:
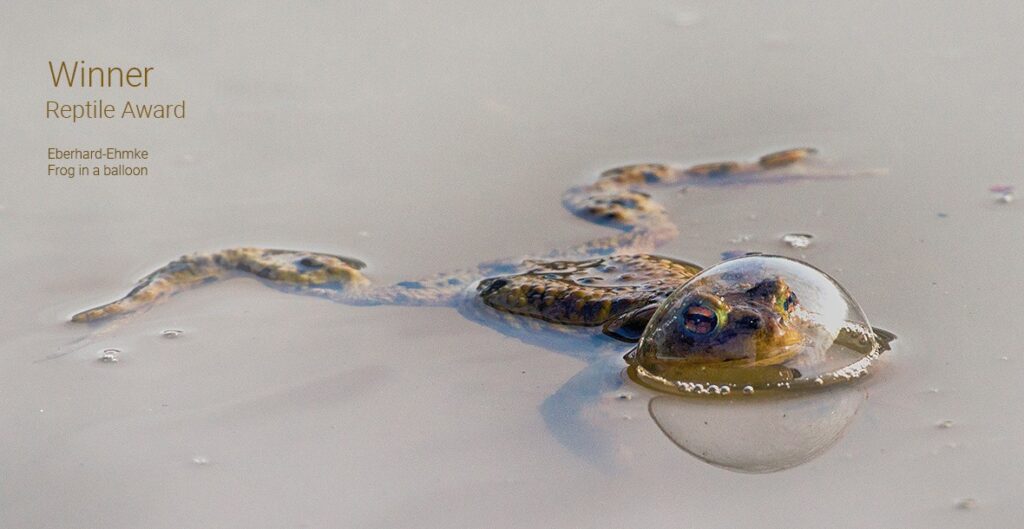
x=758 y=435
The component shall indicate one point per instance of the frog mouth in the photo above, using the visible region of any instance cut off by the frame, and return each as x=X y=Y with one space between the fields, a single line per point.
x=777 y=349
x=770 y=349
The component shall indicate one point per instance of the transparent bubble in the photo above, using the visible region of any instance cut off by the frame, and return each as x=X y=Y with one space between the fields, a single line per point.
x=755 y=323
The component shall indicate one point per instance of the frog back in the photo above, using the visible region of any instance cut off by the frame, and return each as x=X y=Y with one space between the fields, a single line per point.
x=587 y=293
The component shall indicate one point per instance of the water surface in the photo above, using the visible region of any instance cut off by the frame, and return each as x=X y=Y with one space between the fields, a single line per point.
x=422 y=139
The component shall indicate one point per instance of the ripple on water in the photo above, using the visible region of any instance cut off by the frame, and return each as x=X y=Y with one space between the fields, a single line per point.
x=171 y=333
x=967 y=504
x=798 y=240
x=110 y=356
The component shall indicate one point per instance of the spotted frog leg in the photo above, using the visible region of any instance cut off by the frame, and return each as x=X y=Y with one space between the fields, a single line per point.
x=320 y=274
x=618 y=199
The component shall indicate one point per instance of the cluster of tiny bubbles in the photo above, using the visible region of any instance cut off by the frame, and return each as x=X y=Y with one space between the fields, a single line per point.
x=110 y=356
x=705 y=389
x=798 y=240
x=201 y=460
x=171 y=333
x=852 y=371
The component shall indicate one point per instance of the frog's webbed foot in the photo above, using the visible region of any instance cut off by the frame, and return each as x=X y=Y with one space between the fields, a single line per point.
x=285 y=268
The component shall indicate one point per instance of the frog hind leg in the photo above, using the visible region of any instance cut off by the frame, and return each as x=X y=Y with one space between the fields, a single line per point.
x=620 y=198
x=768 y=162
x=283 y=268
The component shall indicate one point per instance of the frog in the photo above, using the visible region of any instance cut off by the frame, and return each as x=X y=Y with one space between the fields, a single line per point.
x=580 y=300
x=614 y=283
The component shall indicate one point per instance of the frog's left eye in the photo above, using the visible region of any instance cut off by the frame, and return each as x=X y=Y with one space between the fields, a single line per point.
x=700 y=319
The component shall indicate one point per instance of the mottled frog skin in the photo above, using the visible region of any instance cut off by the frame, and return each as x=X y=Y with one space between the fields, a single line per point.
x=586 y=292
x=614 y=281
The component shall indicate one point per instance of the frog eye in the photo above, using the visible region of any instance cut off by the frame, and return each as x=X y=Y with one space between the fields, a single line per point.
x=700 y=319
x=788 y=303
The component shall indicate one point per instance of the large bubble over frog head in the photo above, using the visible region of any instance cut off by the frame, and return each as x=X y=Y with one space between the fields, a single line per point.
x=755 y=323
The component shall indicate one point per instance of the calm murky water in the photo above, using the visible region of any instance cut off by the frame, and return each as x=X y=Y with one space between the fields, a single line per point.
x=422 y=139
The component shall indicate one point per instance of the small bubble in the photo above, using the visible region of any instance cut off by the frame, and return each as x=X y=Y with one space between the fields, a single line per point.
x=944 y=424
x=741 y=238
x=110 y=356
x=747 y=390
x=798 y=240
x=171 y=333
x=363 y=234
x=201 y=460
x=967 y=504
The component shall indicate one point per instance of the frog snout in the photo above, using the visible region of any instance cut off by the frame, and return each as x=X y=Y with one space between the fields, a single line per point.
x=748 y=320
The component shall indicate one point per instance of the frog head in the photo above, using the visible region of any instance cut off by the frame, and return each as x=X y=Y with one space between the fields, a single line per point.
x=741 y=323
x=754 y=322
